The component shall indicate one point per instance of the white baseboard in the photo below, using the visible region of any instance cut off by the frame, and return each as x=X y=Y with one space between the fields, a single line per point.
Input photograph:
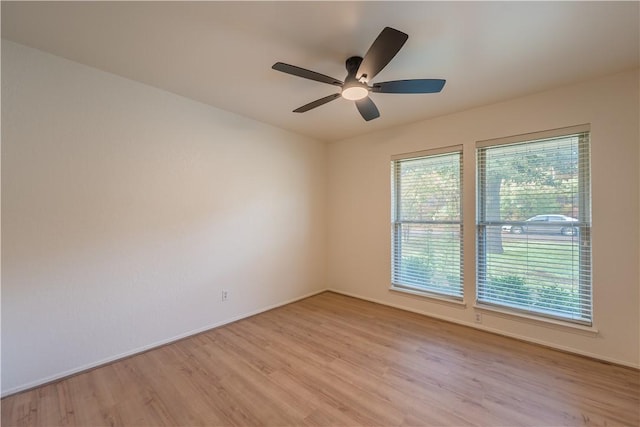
x=114 y=358
x=494 y=331
x=161 y=343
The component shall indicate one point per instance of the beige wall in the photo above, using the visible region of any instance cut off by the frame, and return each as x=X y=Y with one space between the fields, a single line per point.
x=359 y=209
x=127 y=210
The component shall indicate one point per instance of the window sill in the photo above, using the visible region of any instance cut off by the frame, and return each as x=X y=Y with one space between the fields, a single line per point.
x=443 y=299
x=538 y=320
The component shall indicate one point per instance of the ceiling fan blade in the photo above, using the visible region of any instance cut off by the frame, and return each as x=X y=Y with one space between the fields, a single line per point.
x=383 y=49
x=316 y=103
x=305 y=74
x=367 y=108
x=410 y=86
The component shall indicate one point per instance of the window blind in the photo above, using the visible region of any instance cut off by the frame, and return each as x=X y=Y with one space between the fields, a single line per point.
x=534 y=226
x=426 y=224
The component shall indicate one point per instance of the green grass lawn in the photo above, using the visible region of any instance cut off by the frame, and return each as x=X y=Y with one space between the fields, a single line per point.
x=545 y=261
x=533 y=271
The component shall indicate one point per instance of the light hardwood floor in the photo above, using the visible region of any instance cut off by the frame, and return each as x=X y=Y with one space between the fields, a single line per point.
x=336 y=360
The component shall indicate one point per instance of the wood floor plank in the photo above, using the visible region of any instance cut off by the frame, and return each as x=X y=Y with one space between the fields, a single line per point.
x=332 y=360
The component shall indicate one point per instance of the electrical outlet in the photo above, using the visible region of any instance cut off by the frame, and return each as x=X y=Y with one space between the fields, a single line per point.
x=225 y=295
x=478 y=318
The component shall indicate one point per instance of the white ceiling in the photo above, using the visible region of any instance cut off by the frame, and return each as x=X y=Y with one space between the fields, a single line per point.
x=221 y=53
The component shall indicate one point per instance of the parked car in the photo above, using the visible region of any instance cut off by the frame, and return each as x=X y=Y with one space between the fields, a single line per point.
x=546 y=224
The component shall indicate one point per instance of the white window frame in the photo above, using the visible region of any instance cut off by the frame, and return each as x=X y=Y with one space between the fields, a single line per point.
x=396 y=225
x=584 y=224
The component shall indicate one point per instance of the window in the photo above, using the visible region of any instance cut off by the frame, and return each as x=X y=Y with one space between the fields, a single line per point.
x=426 y=223
x=534 y=224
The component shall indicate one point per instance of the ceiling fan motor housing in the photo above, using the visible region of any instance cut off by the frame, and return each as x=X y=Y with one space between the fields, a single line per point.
x=352 y=64
x=354 y=89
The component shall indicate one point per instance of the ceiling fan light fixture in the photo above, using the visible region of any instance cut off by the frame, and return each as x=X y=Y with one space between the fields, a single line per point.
x=355 y=92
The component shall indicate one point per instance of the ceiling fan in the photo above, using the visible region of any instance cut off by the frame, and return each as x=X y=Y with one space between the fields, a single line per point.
x=360 y=71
